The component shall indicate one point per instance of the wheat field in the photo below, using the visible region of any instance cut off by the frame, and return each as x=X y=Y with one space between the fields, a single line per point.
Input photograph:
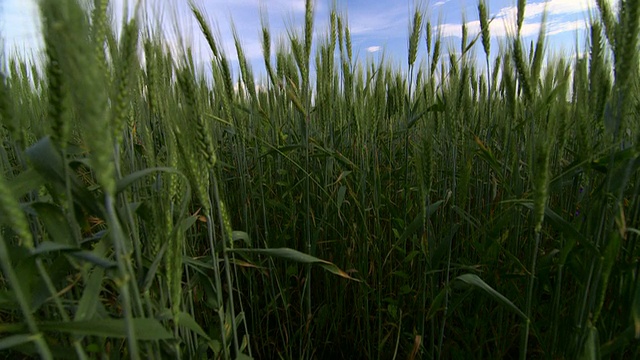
x=333 y=208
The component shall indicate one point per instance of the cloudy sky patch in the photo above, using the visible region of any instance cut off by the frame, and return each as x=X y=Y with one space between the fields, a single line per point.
x=563 y=16
x=374 y=24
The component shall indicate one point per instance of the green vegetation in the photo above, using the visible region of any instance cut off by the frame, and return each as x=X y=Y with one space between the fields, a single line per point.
x=459 y=211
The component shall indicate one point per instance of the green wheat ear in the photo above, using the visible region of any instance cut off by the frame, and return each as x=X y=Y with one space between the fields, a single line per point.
x=204 y=144
x=60 y=126
x=70 y=29
x=340 y=33
x=196 y=173
x=626 y=48
x=266 y=50
x=414 y=39
x=428 y=34
x=541 y=183
x=101 y=32
x=308 y=29
x=435 y=57
x=607 y=17
x=127 y=63
x=521 y=68
x=14 y=216
x=520 y=20
x=245 y=69
x=204 y=27
x=347 y=40
x=6 y=106
x=465 y=35
x=484 y=27
x=333 y=31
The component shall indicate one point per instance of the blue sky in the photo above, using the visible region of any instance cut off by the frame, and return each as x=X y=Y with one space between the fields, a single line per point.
x=377 y=26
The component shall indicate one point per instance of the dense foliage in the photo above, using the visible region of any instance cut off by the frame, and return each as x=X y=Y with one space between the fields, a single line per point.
x=338 y=209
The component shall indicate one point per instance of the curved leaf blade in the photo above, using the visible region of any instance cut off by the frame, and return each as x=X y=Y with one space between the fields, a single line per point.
x=476 y=281
x=300 y=257
x=145 y=328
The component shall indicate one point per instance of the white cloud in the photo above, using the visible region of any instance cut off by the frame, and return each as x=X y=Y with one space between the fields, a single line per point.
x=553 y=7
x=275 y=6
x=504 y=23
x=391 y=20
x=497 y=28
x=453 y=29
x=19 y=25
x=558 y=28
x=373 y=49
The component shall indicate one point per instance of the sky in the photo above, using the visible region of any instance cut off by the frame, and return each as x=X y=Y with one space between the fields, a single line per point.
x=377 y=26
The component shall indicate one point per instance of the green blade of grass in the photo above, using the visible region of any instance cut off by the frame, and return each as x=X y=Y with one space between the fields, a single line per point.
x=15 y=340
x=145 y=328
x=476 y=281
x=299 y=257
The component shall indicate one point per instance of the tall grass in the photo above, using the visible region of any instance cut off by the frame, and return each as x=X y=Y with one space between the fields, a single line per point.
x=452 y=210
